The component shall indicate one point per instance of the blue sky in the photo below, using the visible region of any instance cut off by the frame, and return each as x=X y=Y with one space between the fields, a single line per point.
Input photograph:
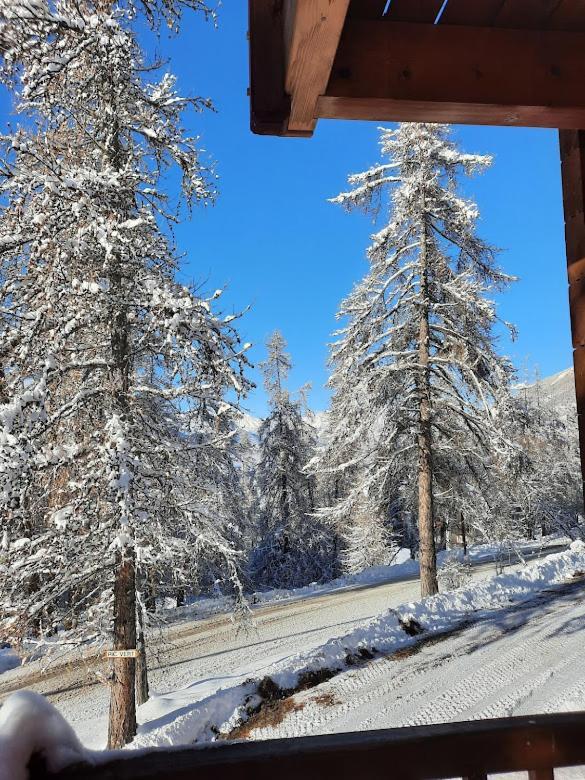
x=278 y=244
x=282 y=249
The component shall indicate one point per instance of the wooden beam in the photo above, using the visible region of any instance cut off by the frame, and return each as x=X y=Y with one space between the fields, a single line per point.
x=568 y=15
x=312 y=32
x=269 y=105
x=524 y=14
x=416 y=72
x=387 y=110
x=366 y=9
x=572 y=146
x=477 y=12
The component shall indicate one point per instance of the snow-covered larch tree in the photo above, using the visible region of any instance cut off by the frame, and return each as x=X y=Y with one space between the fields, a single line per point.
x=114 y=375
x=415 y=371
x=292 y=546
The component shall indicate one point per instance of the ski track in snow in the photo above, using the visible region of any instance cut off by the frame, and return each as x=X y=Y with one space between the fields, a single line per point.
x=527 y=660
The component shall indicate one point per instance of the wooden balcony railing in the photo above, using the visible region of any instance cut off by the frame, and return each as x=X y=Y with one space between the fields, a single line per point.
x=473 y=749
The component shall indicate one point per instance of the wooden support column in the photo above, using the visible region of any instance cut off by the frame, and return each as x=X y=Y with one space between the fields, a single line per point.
x=572 y=145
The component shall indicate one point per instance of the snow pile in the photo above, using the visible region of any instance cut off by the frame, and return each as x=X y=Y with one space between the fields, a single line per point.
x=29 y=726
x=391 y=631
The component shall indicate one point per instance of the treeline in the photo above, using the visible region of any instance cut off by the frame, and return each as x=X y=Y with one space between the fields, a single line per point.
x=313 y=513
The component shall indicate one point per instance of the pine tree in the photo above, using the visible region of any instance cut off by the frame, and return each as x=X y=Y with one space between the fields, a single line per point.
x=367 y=543
x=415 y=372
x=292 y=549
x=541 y=488
x=114 y=374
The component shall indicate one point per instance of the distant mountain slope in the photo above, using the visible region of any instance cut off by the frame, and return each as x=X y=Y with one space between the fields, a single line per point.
x=556 y=391
x=251 y=424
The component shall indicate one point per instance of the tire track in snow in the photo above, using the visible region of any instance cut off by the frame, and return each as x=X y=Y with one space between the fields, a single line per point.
x=522 y=661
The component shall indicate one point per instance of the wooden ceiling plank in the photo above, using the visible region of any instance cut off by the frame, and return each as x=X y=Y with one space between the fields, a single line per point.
x=366 y=9
x=568 y=15
x=536 y=78
x=389 y=110
x=525 y=14
x=313 y=31
x=475 y=13
x=420 y=11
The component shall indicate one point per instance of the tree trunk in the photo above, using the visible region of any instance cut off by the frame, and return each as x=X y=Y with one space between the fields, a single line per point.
x=149 y=596
x=463 y=534
x=122 y=725
x=442 y=545
x=426 y=526
x=141 y=666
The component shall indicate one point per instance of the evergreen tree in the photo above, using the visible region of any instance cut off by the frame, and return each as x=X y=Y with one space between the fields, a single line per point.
x=415 y=372
x=114 y=374
x=366 y=543
x=292 y=549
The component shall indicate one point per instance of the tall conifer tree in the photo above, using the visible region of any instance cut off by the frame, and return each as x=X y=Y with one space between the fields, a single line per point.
x=113 y=373
x=416 y=376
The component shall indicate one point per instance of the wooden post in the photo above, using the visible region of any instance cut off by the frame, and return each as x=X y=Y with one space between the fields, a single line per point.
x=572 y=145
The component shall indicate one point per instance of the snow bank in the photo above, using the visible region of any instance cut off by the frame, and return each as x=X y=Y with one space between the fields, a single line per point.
x=29 y=726
x=221 y=711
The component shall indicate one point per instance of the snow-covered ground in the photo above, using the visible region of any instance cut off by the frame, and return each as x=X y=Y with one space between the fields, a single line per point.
x=194 y=659
x=394 y=632
x=506 y=645
x=525 y=659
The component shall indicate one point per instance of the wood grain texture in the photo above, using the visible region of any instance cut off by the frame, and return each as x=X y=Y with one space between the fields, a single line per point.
x=312 y=32
x=488 y=75
x=388 y=110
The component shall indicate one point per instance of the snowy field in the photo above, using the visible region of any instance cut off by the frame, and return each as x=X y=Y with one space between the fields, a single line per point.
x=196 y=659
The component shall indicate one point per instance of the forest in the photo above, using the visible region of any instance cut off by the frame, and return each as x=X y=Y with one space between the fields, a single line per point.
x=130 y=477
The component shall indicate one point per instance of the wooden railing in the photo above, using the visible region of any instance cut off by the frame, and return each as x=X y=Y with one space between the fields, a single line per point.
x=471 y=750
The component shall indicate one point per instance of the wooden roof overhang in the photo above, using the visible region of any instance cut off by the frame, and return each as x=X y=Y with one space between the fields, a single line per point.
x=497 y=62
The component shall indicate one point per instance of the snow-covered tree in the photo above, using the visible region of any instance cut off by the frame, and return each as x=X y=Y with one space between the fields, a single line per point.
x=293 y=546
x=543 y=488
x=367 y=542
x=114 y=375
x=415 y=372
